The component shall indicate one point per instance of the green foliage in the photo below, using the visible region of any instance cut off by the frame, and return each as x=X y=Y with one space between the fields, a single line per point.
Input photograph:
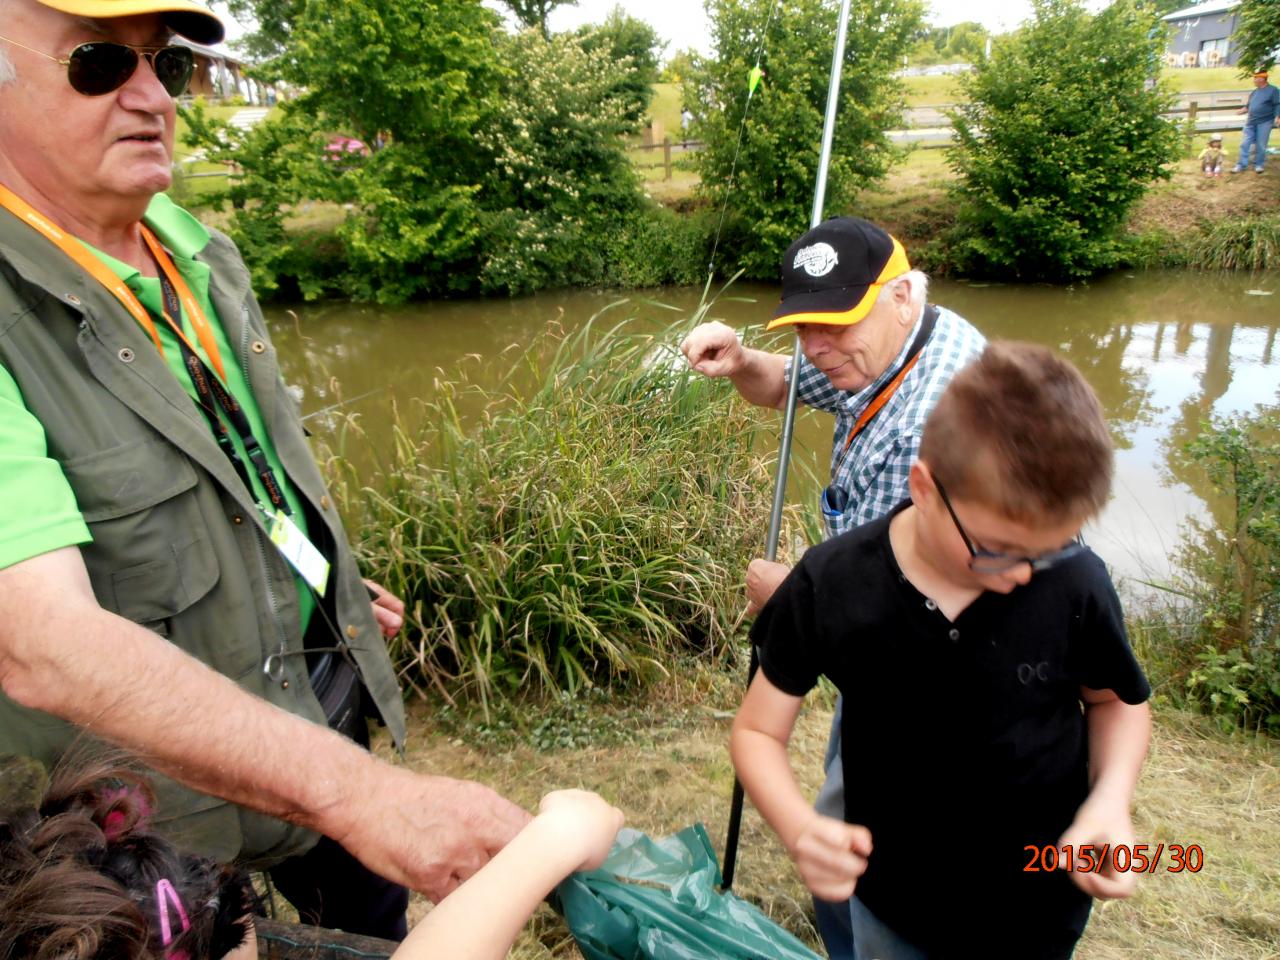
x=659 y=247
x=562 y=181
x=770 y=193
x=1060 y=135
x=679 y=66
x=961 y=43
x=497 y=162
x=274 y=21
x=1247 y=243
x=634 y=49
x=591 y=531
x=1257 y=38
x=417 y=75
x=1228 y=662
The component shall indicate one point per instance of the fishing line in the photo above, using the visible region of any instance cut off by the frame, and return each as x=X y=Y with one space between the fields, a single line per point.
x=752 y=82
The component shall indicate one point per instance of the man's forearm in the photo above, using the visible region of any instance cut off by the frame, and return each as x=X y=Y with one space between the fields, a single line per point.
x=762 y=379
x=62 y=654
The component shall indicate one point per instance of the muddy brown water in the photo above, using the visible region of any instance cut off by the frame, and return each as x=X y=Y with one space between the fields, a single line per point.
x=1163 y=350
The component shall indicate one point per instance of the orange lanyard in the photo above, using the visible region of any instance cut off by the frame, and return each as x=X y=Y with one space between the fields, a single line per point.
x=93 y=266
x=881 y=398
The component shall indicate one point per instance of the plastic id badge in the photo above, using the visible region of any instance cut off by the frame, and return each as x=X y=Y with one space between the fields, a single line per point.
x=299 y=551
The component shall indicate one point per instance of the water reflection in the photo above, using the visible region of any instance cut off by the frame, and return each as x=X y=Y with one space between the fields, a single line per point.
x=1164 y=352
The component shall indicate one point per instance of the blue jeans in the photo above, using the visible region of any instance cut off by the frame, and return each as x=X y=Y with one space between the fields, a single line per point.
x=833 y=919
x=872 y=940
x=1256 y=134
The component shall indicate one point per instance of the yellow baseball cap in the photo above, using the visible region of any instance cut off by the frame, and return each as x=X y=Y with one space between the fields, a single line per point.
x=184 y=17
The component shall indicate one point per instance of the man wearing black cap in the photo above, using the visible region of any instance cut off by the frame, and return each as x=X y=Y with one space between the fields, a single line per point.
x=174 y=576
x=877 y=357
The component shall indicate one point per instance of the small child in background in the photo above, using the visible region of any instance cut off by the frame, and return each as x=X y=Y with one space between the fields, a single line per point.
x=1211 y=157
x=994 y=712
x=83 y=877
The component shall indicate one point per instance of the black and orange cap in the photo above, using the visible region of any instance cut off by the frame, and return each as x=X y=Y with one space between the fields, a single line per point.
x=834 y=273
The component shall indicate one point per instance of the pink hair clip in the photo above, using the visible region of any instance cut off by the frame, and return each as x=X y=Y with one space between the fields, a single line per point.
x=165 y=894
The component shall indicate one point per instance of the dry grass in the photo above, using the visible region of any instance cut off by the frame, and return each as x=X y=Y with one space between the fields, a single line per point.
x=1198 y=787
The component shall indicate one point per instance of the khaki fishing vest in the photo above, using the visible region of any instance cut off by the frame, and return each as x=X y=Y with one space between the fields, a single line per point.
x=177 y=542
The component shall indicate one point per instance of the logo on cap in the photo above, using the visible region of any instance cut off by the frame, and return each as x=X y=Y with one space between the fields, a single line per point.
x=817 y=260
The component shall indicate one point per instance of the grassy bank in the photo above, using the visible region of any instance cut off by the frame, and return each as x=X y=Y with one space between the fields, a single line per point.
x=1231 y=222
x=663 y=760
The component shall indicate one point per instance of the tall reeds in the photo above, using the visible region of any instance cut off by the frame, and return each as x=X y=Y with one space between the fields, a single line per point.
x=586 y=522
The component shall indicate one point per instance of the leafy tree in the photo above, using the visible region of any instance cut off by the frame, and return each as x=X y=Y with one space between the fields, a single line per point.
x=562 y=181
x=961 y=43
x=635 y=48
x=1258 y=36
x=1061 y=135
x=421 y=77
x=678 y=66
x=768 y=185
x=534 y=13
x=274 y=21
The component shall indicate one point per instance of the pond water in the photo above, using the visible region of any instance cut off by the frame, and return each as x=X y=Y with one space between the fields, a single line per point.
x=1164 y=351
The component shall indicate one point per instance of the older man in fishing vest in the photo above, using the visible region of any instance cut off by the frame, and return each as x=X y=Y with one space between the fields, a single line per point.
x=876 y=356
x=174 y=577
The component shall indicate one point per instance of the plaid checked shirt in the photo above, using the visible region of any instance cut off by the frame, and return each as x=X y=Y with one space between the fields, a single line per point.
x=874 y=469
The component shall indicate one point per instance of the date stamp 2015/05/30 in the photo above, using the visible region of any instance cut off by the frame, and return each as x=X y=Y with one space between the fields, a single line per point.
x=1120 y=857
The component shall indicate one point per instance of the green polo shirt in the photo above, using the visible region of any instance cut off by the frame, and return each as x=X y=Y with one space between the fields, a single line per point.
x=49 y=518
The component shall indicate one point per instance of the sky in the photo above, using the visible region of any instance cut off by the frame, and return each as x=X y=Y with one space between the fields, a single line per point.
x=683 y=23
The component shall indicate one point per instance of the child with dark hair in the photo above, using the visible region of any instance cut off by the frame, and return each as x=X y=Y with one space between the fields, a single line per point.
x=84 y=877
x=992 y=706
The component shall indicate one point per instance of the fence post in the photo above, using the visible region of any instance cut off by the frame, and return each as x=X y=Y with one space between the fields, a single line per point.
x=666 y=158
x=1191 y=126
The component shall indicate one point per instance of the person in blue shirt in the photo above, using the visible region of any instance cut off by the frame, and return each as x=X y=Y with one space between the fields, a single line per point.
x=1260 y=110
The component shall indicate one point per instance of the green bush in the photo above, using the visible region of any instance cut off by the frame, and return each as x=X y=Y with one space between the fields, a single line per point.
x=591 y=530
x=561 y=181
x=1224 y=653
x=1060 y=135
x=659 y=247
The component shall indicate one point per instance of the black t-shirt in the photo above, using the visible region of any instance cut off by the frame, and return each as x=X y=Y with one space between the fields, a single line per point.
x=963 y=742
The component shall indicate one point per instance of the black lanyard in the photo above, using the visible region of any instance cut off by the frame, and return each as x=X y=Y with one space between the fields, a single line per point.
x=212 y=396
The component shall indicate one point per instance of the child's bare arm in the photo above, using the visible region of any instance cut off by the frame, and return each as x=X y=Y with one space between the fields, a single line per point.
x=830 y=854
x=1118 y=736
x=573 y=830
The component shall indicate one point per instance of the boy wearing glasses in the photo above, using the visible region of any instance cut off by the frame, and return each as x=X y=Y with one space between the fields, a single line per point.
x=992 y=705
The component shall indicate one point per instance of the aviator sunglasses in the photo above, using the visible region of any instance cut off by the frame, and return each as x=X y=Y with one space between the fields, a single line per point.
x=99 y=67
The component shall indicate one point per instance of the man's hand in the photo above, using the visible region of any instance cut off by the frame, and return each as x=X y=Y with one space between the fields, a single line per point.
x=831 y=855
x=763 y=578
x=428 y=833
x=1101 y=828
x=388 y=609
x=713 y=349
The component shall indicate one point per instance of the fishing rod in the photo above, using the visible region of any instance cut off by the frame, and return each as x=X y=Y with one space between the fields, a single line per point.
x=789 y=415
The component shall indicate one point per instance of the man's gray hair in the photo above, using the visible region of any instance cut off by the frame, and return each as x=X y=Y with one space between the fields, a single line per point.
x=915 y=278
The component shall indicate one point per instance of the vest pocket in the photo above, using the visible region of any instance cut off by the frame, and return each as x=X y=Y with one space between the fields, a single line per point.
x=150 y=558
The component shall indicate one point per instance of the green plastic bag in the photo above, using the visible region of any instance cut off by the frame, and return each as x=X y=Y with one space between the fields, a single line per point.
x=658 y=900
